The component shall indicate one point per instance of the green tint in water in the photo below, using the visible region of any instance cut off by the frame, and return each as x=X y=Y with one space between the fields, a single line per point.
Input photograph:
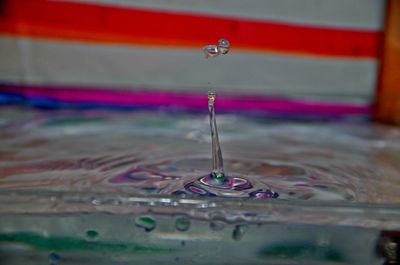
x=302 y=250
x=64 y=243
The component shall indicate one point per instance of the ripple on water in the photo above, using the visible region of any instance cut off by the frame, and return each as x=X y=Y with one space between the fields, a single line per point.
x=246 y=178
x=144 y=153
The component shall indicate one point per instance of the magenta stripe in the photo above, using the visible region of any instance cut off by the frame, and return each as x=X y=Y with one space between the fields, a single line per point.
x=154 y=98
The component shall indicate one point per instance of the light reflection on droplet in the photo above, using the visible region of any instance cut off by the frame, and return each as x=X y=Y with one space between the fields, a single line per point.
x=211 y=51
x=223 y=46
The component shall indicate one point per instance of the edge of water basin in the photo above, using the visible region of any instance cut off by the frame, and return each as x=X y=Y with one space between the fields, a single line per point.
x=368 y=215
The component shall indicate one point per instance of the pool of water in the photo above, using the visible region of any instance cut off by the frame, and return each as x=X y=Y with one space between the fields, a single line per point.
x=104 y=187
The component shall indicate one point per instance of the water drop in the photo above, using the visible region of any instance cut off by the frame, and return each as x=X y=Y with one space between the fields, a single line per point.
x=217 y=161
x=211 y=51
x=217 y=226
x=182 y=224
x=238 y=232
x=145 y=222
x=223 y=46
x=92 y=234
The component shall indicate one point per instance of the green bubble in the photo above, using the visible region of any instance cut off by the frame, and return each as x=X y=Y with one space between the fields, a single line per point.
x=92 y=234
x=182 y=224
x=220 y=176
x=146 y=222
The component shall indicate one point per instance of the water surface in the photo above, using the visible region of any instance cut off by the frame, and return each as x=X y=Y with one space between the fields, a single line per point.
x=159 y=153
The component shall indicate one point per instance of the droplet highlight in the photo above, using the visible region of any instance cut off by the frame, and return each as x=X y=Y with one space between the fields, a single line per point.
x=211 y=51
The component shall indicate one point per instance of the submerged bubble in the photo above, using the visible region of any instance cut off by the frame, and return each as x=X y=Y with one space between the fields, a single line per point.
x=145 y=222
x=238 y=232
x=211 y=51
x=223 y=45
x=217 y=225
x=92 y=234
x=182 y=224
x=54 y=257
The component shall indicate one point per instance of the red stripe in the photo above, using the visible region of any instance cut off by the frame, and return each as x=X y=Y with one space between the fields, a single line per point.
x=97 y=23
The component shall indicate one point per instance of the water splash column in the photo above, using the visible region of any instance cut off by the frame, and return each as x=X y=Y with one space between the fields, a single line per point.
x=217 y=160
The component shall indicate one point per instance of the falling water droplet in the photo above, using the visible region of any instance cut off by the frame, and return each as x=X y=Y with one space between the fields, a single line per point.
x=223 y=46
x=182 y=224
x=211 y=51
x=238 y=232
x=145 y=222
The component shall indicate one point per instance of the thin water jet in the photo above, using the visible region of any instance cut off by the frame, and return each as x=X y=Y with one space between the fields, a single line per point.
x=217 y=160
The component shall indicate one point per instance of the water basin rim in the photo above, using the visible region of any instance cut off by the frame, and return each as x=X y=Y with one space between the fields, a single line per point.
x=385 y=216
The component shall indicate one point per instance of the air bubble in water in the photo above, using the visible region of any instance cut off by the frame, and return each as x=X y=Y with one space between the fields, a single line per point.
x=238 y=232
x=145 y=222
x=53 y=258
x=92 y=234
x=182 y=224
x=217 y=226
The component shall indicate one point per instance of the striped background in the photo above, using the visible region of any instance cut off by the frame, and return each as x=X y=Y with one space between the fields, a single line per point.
x=303 y=49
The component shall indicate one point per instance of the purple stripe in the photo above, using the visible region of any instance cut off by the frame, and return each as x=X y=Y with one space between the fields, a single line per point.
x=192 y=100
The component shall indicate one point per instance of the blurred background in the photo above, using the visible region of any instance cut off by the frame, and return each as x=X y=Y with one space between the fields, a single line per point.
x=303 y=57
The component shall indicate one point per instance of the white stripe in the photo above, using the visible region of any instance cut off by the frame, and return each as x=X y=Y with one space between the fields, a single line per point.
x=59 y=63
x=359 y=14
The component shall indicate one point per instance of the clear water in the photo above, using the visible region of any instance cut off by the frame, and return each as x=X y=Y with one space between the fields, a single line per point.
x=103 y=187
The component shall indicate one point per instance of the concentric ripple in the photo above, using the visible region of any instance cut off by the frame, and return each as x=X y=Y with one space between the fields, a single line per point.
x=246 y=178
